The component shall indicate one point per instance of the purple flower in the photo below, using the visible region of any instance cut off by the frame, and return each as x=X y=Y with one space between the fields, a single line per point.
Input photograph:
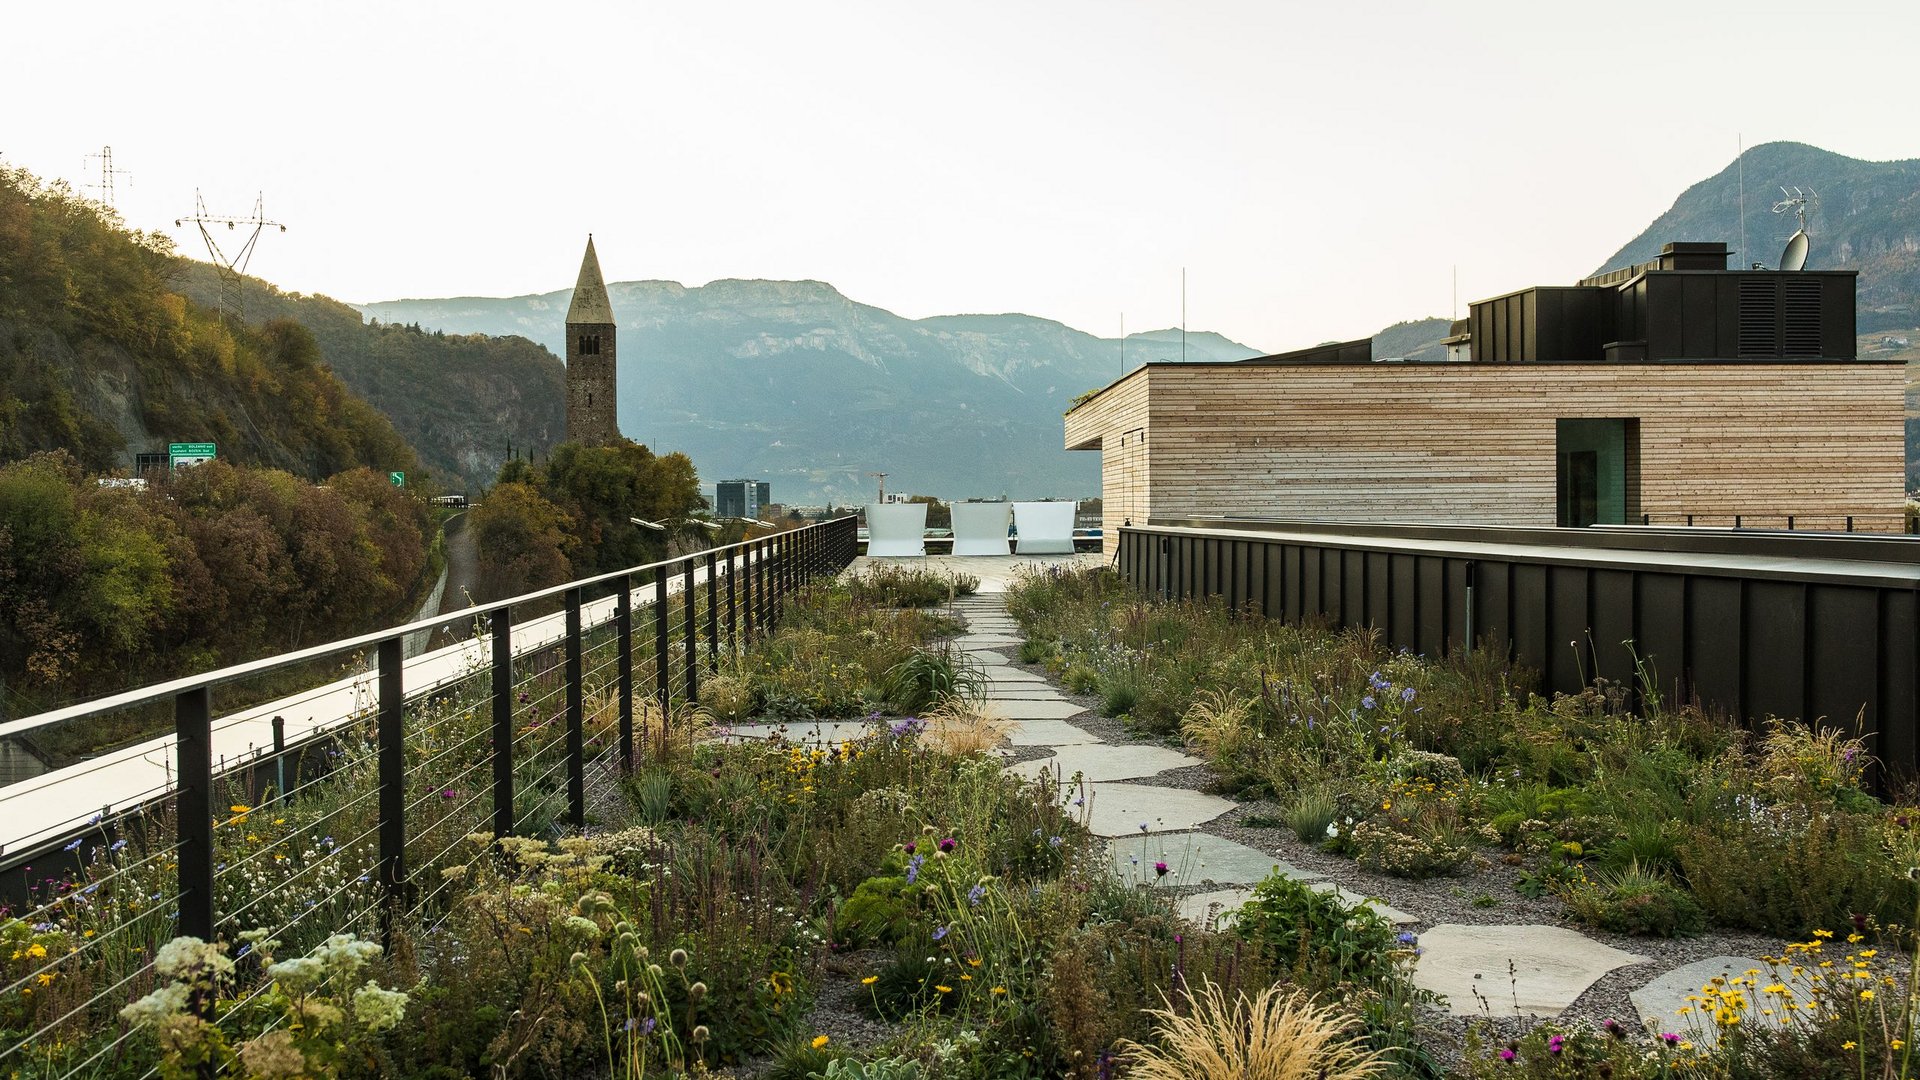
x=1556 y=1044
x=446 y=793
x=116 y=845
x=910 y=846
x=1160 y=869
x=1670 y=1038
x=974 y=894
x=939 y=932
x=1507 y=1055
x=1407 y=694
x=77 y=841
x=1054 y=841
x=1377 y=681
x=947 y=844
x=913 y=868
x=1368 y=702
x=1408 y=937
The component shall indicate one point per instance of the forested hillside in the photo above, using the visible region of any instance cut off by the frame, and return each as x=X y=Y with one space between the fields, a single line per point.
x=459 y=399
x=99 y=356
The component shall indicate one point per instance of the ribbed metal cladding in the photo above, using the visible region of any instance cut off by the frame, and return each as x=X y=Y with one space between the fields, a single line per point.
x=1800 y=317
x=1760 y=318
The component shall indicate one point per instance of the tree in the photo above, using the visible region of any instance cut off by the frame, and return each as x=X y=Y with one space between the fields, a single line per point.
x=522 y=539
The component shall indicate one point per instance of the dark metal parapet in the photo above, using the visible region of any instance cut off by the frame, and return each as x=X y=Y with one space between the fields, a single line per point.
x=1791 y=625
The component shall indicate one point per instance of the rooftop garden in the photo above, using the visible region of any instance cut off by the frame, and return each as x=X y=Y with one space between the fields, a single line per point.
x=897 y=904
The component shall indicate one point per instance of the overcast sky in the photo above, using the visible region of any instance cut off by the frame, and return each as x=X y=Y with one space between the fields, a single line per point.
x=1319 y=169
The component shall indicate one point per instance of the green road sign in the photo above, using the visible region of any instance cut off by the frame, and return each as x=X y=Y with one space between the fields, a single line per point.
x=188 y=453
x=399 y=479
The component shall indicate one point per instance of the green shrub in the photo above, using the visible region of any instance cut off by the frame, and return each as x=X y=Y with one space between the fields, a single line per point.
x=1325 y=940
x=878 y=1069
x=1037 y=650
x=1309 y=813
x=929 y=676
x=1081 y=679
x=1635 y=901
x=1119 y=694
x=880 y=911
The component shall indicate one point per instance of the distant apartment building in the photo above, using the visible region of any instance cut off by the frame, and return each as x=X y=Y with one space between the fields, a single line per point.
x=742 y=498
x=1673 y=392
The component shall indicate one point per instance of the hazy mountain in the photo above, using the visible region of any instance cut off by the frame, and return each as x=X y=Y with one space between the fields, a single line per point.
x=1868 y=219
x=794 y=383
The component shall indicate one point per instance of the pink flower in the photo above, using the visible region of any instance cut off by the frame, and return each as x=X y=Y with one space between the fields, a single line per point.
x=1160 y=869
x=1507 y=1055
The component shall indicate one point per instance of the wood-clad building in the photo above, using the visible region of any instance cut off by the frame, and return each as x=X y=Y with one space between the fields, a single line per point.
x=1676 y=393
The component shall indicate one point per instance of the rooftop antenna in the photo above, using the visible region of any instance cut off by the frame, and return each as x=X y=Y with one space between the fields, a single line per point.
x=1740 y=163
x=232 y=269
x=882 y=497
x=107 y=173
x=1797 y=200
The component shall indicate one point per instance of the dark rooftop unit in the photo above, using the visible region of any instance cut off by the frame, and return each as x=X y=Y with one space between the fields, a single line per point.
x=1685 y=305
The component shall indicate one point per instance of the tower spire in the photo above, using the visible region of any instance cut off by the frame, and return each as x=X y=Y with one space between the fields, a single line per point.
x=590 y=303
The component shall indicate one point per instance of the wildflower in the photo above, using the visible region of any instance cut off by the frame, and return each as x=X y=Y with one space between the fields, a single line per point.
x=943 y=989
x=947 y=844
x=697 y=991
x=1669 y=1038
x=974 y=894
x=1054 y=841
x=869 y=980
x=1507 y=1054
x=1407 y=694
x=1407 y=937
x=820 y=1041
x=378 y=1009
x=1556 y=1044
x=939 y=932
x=1160 y=869
x=910 y=845
x=77 y=841
x=998 y=990
x=1866 y=995
x=678 y=958
x=700 y=1033
x=1848 y=1045
x=913 y=868
x=1368 y=702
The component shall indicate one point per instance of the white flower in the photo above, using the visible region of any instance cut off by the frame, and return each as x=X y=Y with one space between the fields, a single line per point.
x=1333 y=830
x=583 y=926
x=169 y=1000
x=189 y=958
x=378 y=1009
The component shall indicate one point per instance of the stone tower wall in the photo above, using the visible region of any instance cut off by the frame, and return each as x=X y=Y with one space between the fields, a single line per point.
x=592 y=413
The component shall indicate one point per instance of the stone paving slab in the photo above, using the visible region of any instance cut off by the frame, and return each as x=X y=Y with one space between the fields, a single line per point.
x=1039 y=710
x=1194 y=858
x=1023 y=693
x=1353 y=899
x=1048 y=733
x=989 y=641
x=1120 y=809
x=1105 y=762
x=1660 y=1001
x=1016 y=677
x=1551 y=966
x=1219 y=905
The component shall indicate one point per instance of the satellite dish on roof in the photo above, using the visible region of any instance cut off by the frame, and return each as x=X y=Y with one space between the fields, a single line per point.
x=1795 y=257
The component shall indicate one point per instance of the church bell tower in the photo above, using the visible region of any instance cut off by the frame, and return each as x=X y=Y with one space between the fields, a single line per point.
x=592 y=414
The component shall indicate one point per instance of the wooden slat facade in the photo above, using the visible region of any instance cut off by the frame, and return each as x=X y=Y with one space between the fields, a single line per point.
x=1819 y=442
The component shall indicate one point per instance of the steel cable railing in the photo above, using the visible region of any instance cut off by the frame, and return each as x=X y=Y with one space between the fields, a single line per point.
x=392 y=752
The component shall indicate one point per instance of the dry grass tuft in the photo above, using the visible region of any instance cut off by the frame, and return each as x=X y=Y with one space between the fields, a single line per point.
x=1280 y=1035
x=1216 y=722
x=962 y=726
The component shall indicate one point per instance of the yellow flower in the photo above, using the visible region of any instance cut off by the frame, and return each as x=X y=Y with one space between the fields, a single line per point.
x=239 y=809
x=973 y=961
x=1896 y=1044
x=869 y=980
x=944 y=989
x=1866 y=995
x=46 y=978
x=998 y=990
x=1848 y=1045
x=819 y=1041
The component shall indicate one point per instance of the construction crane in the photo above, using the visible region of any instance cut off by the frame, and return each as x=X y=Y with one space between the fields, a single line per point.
x=883 y=486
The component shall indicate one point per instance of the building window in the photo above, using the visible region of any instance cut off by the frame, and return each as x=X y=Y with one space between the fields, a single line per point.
x=1597 y=466
x=589 y=345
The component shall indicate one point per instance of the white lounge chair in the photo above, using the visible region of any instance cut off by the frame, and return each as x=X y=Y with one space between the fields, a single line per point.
x=981 y=528
x=1045 y=528
x=896 y=530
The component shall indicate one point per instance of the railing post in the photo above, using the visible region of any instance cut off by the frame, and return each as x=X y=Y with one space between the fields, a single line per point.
x=193 y=812
x=713 y=614
x=733 y=607
x=280 y=756
x=623 y=630
x=576 y=719
x=759 y=579
x=391 y=736
x=662 y=676
x=692 y=635
x=500 y=633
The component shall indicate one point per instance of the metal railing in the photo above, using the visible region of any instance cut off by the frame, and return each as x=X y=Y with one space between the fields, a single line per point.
x=1823 y=627
x=500 y=734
